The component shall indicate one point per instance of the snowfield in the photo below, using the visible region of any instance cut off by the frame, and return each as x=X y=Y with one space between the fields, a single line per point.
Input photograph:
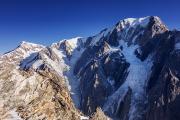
x=137 y=78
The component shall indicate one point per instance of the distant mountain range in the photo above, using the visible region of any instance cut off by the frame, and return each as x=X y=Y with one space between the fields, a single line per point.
x=130 y=71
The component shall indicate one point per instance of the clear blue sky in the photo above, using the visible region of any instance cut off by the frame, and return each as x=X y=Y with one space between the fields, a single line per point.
x=44 y=22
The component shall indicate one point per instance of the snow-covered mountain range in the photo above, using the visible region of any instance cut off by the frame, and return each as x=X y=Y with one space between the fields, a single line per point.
x=130 y=71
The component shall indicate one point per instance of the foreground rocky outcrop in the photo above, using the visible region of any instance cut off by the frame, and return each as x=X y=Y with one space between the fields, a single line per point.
x=28 y=93
x=128 y=72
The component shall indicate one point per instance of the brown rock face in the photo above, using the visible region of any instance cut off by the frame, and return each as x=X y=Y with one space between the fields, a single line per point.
x=43 y=96
x=164 y=91
x=99 y=115
x=34 y=93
